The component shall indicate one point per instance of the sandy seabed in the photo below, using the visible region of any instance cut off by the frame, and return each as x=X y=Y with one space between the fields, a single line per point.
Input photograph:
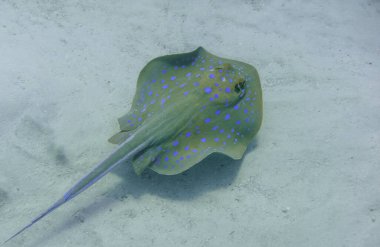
x=68 y=69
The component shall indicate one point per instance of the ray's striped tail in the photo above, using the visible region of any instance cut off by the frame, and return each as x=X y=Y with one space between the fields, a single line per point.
x=124 y=152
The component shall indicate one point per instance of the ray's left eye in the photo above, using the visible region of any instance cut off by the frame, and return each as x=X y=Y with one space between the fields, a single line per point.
x=240 y=86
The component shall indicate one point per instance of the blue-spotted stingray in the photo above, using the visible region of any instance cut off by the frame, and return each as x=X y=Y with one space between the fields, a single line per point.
x=186 y=107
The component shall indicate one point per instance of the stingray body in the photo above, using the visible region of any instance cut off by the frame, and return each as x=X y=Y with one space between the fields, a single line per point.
x=186 y=107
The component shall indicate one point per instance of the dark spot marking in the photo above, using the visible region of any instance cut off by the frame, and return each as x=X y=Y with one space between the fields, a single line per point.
x=3 y=197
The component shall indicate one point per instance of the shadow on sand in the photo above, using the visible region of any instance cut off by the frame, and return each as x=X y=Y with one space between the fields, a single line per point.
x=215 y=172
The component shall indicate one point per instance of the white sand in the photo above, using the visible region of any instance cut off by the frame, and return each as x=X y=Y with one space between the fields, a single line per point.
x=68 y=70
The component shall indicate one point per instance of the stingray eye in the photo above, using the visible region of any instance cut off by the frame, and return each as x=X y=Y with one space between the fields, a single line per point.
x=240 y=86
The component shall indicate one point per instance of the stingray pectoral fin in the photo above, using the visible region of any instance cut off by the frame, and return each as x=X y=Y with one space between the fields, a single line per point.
x=120 y=137
x=124 y=152
x=128 y=122
x=145 y=160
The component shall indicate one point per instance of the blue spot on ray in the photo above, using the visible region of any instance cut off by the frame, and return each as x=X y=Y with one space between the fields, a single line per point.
x=208 y=90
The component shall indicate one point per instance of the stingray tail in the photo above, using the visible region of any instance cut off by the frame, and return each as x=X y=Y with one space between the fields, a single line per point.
x=125 y=151
x=49 y=210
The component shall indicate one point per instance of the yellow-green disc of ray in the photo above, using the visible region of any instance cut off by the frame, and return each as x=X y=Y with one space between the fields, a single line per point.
x=223 y=96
